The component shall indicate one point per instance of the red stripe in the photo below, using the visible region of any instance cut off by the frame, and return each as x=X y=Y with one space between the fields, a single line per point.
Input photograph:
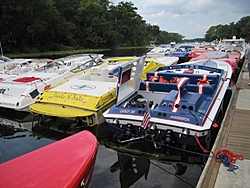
x=146 y=120
x=179 y=97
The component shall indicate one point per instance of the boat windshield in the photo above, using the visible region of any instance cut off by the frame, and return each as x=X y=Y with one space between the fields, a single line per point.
x=5 y=59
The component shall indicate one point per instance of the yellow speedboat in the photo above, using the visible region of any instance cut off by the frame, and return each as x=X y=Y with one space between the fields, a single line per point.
x=81 y=101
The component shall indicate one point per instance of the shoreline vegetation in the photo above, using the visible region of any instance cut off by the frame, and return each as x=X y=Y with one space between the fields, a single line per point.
x=64 y=53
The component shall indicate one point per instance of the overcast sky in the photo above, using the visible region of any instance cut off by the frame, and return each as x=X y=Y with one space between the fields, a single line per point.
x=191 y=18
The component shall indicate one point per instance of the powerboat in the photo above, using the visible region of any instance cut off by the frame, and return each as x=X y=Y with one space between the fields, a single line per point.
x=182 y=52
x=161 y=50
x=19 y=91
x=200 y=50
x=55 y=165
x=233 y=45
x=14 y=67
x=232 y=58
x=80 y=102
x=179 y=106
x=7 y=64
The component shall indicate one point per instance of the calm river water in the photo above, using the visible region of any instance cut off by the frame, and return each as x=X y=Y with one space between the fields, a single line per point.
x=112 y=168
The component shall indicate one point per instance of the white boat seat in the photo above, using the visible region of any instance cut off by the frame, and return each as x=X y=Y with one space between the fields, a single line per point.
x=99 y=74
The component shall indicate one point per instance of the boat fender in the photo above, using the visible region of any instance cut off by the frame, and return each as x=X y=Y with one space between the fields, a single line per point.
x=203 y=82
x=175 y=80
x=154 y=79
x=163 y=80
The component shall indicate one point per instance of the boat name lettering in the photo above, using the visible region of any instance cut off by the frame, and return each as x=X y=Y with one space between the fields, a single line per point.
x=2 y=90
x=211 y=69
x=60 y=96
x=7 y=104
x=73 y=97
x=179 y=118
x=124 y=111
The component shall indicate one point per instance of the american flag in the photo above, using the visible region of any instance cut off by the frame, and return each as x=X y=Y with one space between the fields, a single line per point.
x=146 y=119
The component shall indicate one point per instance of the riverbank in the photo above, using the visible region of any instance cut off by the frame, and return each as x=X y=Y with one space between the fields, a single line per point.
x=65 y=53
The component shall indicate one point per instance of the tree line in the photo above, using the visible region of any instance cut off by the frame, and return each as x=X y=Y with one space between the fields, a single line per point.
x=58 y=25
x=240 y=29
x=55 y=25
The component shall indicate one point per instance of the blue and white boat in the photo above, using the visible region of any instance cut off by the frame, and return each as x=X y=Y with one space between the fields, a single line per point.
x=179 y=106
x=182 y=53
x=161 y=50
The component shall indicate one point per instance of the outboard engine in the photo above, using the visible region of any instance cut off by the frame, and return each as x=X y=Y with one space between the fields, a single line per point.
x=151 y=132
x=168 y=140
x=125 y=136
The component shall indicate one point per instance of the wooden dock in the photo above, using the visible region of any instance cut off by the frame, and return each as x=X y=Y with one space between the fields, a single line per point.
x=234 y=136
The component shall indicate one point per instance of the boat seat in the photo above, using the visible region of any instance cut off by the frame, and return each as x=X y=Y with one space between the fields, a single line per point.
x=189 y=99
x=157 y=86
x=202 y=89
x=109 y=68
x=98 y=74
x=194 y=78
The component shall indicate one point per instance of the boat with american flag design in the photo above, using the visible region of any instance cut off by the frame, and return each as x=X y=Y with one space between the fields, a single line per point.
x=175 y=106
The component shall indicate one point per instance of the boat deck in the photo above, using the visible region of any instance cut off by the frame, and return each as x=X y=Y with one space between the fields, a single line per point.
x=234 y=136
x=85 y=87
x=34 y=74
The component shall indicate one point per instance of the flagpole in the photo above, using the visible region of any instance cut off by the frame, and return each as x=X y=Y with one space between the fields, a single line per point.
x=1 y=49
x=146 y=114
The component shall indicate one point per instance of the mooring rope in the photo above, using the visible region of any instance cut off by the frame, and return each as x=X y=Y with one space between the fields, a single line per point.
x=224 y=156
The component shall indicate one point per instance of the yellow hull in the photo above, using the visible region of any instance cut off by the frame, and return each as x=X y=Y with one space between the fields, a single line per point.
x=87 y=107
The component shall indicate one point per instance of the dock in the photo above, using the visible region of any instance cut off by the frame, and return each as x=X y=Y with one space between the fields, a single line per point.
x=234 y=135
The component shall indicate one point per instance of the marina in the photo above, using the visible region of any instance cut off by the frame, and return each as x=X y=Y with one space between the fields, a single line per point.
x=115 y=164
x=124 y=94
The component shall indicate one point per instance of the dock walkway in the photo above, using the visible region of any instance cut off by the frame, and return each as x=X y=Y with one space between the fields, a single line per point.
x=234 y=136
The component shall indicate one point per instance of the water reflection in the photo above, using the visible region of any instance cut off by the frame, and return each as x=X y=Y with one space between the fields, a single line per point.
x=116 y=166
x=15 y=142
x=121 y=169
x=137 y=165
x=131 y=168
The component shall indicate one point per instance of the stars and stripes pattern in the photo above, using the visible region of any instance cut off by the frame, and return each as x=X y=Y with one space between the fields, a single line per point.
x=146 y=120
x=178 y=99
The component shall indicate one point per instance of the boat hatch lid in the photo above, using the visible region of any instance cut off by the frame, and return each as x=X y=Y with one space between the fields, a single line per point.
x=216 y=55
x=129 y=78
x=58 y=111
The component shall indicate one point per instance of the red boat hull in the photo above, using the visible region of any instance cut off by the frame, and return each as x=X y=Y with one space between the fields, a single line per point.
x=233 y=59
x=65 y=163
